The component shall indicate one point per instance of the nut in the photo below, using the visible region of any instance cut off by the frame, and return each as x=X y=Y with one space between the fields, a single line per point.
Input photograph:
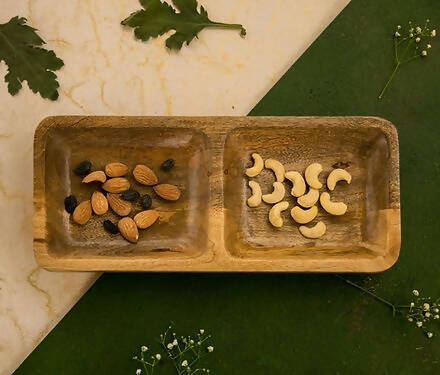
x=316 y=231
x=116 y=169
x=312 y=172
x=95 y=176
x=337 y=175
x=299 y=185
x=276 y=167
x=145 y=219
x=257 y=167
x=275 y=214
x=116 y=185
x=99 y=203
x=128 y=229
x=309 y=199
x=255 y=199
x=303 y=216
x=119 y=205
x=333 y=208
x=144 y=175
x=167 y=192
x=82 y=213
x=277 y=194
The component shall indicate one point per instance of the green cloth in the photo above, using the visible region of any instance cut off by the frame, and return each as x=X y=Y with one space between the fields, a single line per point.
x=296 y=324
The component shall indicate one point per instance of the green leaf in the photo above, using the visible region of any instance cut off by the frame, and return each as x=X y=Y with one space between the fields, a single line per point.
x=158 y=17
x=20 y=49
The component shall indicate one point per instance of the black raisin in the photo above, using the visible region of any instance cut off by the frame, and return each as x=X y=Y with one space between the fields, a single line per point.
x=110 y=227
x=70 y=204
x=167 y=165
x=130 y=195
x=146 y=202
x=83 y=168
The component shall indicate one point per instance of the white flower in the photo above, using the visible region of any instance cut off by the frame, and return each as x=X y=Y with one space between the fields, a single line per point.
x=419 y=324
x=185 y=363
x=415 y=292
x=430 y=334
x=433 y=33
x=399 y=27
x=202 y=331
x=411 y=35
x=138 y=371
x=427 y=314
x=174 y=342
x=418 y=40
x=199 y=343
x=191 y=341
x=436 y=316
x=144 y=348
x=424 y=53
x=210 y=349
x=418 y=29
x=426 y=306
x=428 y=46
x=411 y=304
x=435 y=310
x=410 y=319
x=170 y=346
x=397 y=34
x=158 y=356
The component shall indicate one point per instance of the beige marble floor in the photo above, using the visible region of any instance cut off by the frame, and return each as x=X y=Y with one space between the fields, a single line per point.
x=108 y=72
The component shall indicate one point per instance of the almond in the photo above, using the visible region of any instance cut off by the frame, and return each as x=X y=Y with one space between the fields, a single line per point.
x=116 y=185
x=82 y=213
x=99 y=203
x=95 y=176
x=144 y=219
x=119 y=205
x=167 y=191
x=128 y=229
x=116 y=169
x=144 y=175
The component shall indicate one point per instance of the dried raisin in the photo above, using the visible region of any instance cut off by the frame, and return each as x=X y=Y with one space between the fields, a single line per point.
x=130 y=195
x=70 y=203
x=167 y=165
x=146 y=202
x=110 y=227
x=83 y=168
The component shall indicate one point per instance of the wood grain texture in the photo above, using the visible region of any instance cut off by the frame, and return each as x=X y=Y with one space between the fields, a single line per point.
x=211 y=228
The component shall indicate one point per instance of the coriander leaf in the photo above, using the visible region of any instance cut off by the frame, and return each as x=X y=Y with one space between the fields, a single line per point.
x=26 y=60
x=158 y=17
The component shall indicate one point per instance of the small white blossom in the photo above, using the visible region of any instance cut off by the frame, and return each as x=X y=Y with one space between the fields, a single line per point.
x=418 y=30
x=185 y=363
x=424 y=53
x=399 y=27
x=415 y=292
x=210 y=349
x=418 y=40
x=428 y=46
x=191 y=341
x=419 y=324
x=426 y=306
x=427 y=314
x=411 y=304
x=174 y=342
x=410 y=319
x=202 y=331
x=436 y=310
x=144 y=348
x=436 y=316
x=411 y=35
x=170 y=346
x=430 y=334
x=397 y=34
x=138 y=371
x=199 y=343
x=433 y=33
x=158 y=356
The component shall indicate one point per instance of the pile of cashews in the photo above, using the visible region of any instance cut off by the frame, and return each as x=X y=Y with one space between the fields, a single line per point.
x=306 y=210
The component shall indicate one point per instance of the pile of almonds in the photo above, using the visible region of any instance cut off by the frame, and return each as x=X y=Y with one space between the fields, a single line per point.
x=117 y=194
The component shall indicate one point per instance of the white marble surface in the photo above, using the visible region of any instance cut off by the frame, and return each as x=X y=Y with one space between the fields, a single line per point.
x=108 y=72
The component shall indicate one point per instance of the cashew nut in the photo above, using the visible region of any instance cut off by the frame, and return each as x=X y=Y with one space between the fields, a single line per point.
x=333 y=208
x=303 y=216
x=257 y=167
x=316 y=231
x=309 y=199
x=277 y=194
x=277 y=168
x=255 y=199
x=299 y=185
x=275 y=214
x=337 y=175
x=311 y=173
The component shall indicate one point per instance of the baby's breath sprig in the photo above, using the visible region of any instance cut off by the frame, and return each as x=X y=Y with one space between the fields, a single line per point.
x=147 y=364
x=421 y=312
x=409 y=45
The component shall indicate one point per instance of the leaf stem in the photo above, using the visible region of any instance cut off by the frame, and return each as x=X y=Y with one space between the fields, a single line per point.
x=390 y=79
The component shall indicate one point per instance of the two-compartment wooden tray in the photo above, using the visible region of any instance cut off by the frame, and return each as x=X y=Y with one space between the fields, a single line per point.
x=211 y=228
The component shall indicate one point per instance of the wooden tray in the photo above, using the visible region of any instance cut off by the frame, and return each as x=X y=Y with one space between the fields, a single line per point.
x=211 y=228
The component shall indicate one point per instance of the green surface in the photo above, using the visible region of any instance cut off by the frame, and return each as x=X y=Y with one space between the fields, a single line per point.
x=296 y=324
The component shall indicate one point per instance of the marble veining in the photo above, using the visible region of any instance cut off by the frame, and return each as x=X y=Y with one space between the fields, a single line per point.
x=108 y=72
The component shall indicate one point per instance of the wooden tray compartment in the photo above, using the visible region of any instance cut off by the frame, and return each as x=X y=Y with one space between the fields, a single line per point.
x=211 y=228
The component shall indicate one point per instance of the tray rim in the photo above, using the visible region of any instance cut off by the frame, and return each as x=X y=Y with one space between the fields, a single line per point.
x=210 y=260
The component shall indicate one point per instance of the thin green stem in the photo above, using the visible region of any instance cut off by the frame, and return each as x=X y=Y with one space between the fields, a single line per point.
x=389 y=80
